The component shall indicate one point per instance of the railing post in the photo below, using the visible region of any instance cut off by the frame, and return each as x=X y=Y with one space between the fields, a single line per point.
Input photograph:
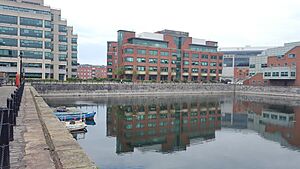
x=11 y=117
x=4 y=126
x=14 y=108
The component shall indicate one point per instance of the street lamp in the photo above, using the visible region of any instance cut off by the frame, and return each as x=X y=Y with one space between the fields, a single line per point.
x=21 y=67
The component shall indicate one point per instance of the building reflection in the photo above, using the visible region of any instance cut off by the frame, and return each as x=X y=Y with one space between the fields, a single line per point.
x=162 y=127
x=279 y=123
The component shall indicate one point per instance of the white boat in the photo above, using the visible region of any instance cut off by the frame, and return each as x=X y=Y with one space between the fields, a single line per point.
x=75 y=125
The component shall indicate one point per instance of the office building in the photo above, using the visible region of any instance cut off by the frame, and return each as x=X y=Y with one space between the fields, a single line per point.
x=91 y=71
x=276 y=66
x=43 y=39
x=236 y=62
x=163 y=56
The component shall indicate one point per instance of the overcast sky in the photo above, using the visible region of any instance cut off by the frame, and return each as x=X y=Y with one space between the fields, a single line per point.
x=232 y=23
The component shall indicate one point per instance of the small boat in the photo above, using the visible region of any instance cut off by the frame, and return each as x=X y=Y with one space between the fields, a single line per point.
x=75 y=125
x=76 y=116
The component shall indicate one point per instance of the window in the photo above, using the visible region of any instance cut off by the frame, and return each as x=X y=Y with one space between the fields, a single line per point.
x=153 y=68
x=164 y=69
x=8 y=53
x=186 y=55
x=8 y=19
x=293 y=74
x=284 y=74
x=195 y=63
x=8 y=64
x=47 y=24
x=220 y=71
x=63 y=48
x=291 y=55
x=195 y=70
x=186 y=70
x=164 y=61
x=267 y=74
x=109 y=56
x=74 y=48
x=32 y=54
x=213 y=71
x=204 y=63
x=8 y=42
x=140 y=68
x=48 y=35
x=214 y=64
x=74 y=56
x=220 y=57
x=20 y=9
x=48 y=55
x=204 y=57
x=214 y=57
x=141 y=51
x=109 y=63
x=275 y=74
x=252 y=65
x=31 y=43
x=31 y=22
x=203 y=70
x=141 y=60
x=195 y=55
x=31 y=33
x=74 y=40
x=264 y=65
x=48 y=45
x=33 y=65
x=128 y=59
x=128 y=51
x=8 y=31
x=186 y=62
x=62 y=57
x=62 y=28
x=153 y=52
x=109 y=70
x=152 y=60
x=162 y=53
x=62 y=38
x=128 y=67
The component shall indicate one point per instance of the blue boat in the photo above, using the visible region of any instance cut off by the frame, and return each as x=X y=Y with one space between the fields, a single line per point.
x=65 y=116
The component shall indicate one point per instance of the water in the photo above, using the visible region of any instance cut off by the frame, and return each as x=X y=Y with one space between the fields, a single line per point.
x=191 y=132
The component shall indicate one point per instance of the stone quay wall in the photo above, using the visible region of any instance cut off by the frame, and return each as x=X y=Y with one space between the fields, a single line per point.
x=102 y=89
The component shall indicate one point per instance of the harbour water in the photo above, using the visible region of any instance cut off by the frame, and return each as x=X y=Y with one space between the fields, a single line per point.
x=190 y=132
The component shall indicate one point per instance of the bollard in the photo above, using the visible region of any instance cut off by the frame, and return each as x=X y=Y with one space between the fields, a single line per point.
x=14 y=110
x=4 y=157
x=11 y=117
x=4 y=126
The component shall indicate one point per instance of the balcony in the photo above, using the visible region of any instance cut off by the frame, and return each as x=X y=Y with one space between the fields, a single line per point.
x=152 y=73
x=279 y=73
x=164 y=73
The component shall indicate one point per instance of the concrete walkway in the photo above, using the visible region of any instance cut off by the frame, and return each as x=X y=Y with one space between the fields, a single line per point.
x=29 y=148
x=5 y=92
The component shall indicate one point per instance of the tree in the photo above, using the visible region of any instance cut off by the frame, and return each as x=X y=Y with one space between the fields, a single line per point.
x=119 y=72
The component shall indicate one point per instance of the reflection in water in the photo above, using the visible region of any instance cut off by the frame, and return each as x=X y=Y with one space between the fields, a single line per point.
x=279 y=123
x=172 y=126
x=130 y=131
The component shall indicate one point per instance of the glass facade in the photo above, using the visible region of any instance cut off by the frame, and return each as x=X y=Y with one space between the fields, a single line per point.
x=27 y=10
x=31 y=22
x=8 y=53
x=48 y=35
x=8 y=42
x=31 y=43
x=47 y=24
x=48 y=45
x=32 y=54
x=146 y=42
x=8 y=19
x=48 y=55
x=8 y=30
x=31 y=33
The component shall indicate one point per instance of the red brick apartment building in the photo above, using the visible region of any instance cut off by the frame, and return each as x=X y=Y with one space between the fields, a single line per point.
x=91 y=71
x=276 y=66
x=163 y=56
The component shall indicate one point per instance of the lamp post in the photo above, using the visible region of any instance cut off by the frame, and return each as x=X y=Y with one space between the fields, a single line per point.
x=21 y=67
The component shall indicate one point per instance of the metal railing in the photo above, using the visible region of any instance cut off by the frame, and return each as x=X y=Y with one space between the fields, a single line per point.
x=8 y=116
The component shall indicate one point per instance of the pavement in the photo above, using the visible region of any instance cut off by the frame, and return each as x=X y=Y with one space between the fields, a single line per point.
x=5 y=92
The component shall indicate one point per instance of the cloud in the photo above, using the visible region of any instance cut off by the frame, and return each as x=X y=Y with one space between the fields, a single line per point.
x=231 y=22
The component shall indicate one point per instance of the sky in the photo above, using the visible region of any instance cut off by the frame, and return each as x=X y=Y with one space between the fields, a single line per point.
x=232 y=23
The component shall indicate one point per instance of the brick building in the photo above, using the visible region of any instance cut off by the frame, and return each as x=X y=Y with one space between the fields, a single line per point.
x=276 y=66
x=163 y=56
x=91 y=71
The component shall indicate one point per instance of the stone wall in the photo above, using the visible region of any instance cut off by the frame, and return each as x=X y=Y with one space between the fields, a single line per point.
x=69 y=89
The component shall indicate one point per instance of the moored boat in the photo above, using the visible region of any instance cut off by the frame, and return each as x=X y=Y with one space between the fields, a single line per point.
x=75 y=125
x=75 y=116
